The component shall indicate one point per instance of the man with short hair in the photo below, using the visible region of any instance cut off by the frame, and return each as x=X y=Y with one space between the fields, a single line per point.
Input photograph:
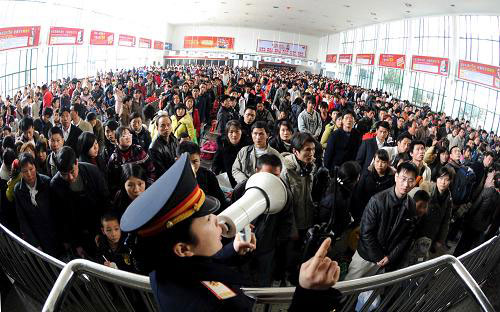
x=226 y=112
x=417 y=151
x=270 y=230
x=80 y=196
x=164 y=148
x=387 y=226
x=27 y=131
x=369 y=147
x=245 y=163
x=343 y=143
x=246 y=121
x=70 y=131
x=402 y=146
x=309 y=120
x=77 y=121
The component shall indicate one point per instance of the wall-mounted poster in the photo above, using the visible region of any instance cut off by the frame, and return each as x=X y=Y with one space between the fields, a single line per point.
x=158 y=45
x=483 y=74
x=145 y=43
x=126 y=41
x=65 y=36
x=102 y=38
x=365 y=59
x=432 y=65
x=331 y=58
x=208 y=42
x=283 y=48
x=19 y=37
x=392 y=60
x=345 y=59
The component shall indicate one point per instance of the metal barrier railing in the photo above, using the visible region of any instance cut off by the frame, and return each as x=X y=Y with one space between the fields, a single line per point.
x=86 y=286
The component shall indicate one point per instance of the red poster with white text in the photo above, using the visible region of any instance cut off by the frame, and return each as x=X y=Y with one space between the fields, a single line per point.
x=126 y=41
x=345 y=59
x=158 y=45
x=365 y=59
x=102 y=38
x=19 y=37
x=331 y=58
x=429 y=64
x=145 y=43
x=65 y=36
x=392 y=60
x=483 y=74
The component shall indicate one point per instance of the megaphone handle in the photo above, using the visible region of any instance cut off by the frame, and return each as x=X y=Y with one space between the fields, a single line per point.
x=247 y=233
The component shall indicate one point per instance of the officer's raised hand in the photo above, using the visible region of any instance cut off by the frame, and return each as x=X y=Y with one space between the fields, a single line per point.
x=319 y=272
x=242 y=247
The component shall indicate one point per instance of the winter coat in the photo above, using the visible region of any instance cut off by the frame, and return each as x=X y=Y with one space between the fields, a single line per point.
x=300 y=184
x=436 y=222
x=310 y=123
x=387 y=226
x=225 y=156
x=184 y=124
x=245 y=163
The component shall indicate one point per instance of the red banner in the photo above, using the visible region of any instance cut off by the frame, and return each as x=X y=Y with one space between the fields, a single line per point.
x=65 y=36
x=158 y=45
x=19 y=37
x=345 y=59
x=207 y=42
x=331 y=58
x=486 y=75
x=365 y=59
x=102 y=38
x=145 y=43
x=392 y=60
x=126 y=41
x=432 y=65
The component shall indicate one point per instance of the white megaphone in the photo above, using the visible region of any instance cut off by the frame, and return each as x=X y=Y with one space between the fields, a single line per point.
x=264 y=193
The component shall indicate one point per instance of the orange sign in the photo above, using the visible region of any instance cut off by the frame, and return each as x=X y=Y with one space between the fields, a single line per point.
x=208 y=42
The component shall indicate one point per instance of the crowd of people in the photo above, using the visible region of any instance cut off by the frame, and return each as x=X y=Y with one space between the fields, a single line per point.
x=402 y=183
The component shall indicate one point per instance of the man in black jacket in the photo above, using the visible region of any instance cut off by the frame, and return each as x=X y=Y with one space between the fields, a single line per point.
x=140 y=135
x=34 y=212
x=343 y=143
x=70 y=131
x=369 y=147
x=164 y=148
x=80 y=196
x=387 y=226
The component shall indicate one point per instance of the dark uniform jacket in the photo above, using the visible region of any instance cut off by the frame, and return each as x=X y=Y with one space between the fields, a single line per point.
x=163 y=153
x=387 y=226
x=179 y=287
x=366 y=152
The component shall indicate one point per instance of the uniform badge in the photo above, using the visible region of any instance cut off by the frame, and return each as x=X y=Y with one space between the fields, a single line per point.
x=220 y=290
x=126 y=259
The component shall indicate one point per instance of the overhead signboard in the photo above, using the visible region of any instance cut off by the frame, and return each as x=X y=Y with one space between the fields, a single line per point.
x=282 y=48
x=168 y=46
x=258 y=58
x=345 y=59
x=392 y=60
x=288 y=61
x=432 y=65
x=145 y=43
x=158 y=45
x=331 y=58
x=98 y=37
x=483 y=74
x=208 y=42
x=126 y=41
x=365 y=59
x=19 y=37
x=298 y=62
x=65 y=36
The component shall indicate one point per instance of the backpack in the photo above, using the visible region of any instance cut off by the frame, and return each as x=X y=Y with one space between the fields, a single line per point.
x=463 y=185
x=208 y=150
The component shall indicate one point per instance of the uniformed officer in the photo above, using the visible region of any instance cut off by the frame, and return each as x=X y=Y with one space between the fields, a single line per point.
x=178 y=240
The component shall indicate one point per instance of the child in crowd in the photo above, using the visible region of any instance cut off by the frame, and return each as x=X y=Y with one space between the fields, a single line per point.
x=111 y=250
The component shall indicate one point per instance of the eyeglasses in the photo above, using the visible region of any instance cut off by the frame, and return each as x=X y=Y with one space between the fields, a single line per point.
x=405 y=179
